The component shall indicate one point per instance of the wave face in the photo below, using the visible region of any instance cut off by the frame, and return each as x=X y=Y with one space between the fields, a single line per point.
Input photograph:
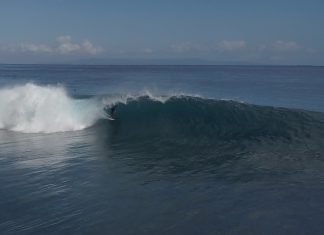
x=191 y=135
x=193 y=117
x=45 y=109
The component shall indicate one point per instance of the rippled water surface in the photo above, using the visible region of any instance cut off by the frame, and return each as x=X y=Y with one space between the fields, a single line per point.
x=192 y=150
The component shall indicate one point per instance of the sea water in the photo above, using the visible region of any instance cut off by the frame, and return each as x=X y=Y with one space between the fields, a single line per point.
x=192 y=149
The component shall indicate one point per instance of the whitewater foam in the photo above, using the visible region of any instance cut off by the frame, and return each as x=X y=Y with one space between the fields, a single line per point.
x=31 y=108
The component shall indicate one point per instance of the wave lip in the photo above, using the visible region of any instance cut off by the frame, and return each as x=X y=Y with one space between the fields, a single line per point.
x=31 y=108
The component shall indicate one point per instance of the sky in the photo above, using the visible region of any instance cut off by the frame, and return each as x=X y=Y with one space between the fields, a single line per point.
x=283 y=32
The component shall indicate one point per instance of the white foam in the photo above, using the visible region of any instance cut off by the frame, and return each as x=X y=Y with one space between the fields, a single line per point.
x=32 y=108
x=124 y=99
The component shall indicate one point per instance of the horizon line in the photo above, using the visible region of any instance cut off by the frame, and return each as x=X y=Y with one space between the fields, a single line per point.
x=99 y=64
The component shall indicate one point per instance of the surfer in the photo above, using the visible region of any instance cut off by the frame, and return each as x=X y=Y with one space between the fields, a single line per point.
x=113 y=110
x=110 y=111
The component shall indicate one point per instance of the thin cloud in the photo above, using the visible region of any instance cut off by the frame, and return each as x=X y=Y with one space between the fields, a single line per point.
x=186 y=47
x=35 y=48
x=286 y=46
x=222 y=46
x=227 y=45
x=89 y=48
x=281 y=46
x=67 y=46
x=64 y=46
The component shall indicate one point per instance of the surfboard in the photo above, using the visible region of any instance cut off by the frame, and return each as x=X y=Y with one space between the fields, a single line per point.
x=109 y=117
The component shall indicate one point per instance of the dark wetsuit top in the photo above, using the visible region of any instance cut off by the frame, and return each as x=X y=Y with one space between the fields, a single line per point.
x=113 y=110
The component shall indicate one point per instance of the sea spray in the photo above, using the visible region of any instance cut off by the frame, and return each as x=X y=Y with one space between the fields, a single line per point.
x=31 y=108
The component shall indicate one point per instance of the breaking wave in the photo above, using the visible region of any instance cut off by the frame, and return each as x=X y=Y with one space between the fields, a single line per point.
x=32 y=108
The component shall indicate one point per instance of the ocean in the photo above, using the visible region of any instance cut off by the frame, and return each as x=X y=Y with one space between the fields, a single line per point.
x=191 y=149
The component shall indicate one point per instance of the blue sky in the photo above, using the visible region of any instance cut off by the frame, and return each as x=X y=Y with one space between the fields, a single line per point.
x=218 y=31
